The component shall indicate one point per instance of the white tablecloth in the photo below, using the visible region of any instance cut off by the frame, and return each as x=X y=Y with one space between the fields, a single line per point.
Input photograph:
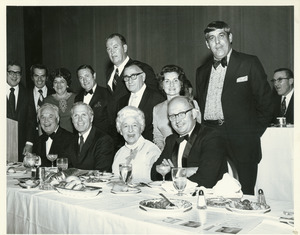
x=276 y=169
x=36 y=211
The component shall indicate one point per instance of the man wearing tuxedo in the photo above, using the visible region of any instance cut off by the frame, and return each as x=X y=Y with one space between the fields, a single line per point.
x=117 y=49
x=283 y=81
x=39 y=76
x=54 y=140
x=141 y=96
x=92 y=148
x=235 y=99
x=192 y=145
x=17 y=103
x=95 y=96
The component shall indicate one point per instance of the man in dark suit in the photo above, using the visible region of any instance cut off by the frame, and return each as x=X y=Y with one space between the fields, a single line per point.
x=39 y=76
x=235 y=99
x=283 y=81
x=116 y=47
x=54 y=140
x=192 y=146
x=17 y=103
x=95 y=96
x=93 y=148
x=141 y=96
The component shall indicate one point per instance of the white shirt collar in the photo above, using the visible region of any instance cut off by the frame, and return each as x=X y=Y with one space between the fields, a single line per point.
x=140 y=92
x=86 y=134
x=122 y=65
x=8 y=89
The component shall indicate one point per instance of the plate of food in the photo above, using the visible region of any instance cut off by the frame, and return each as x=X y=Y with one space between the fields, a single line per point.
x=124 y=189
x=218 y=202
x=83 y=192
x=248 y=207
x=28 y=183
x=162 y=205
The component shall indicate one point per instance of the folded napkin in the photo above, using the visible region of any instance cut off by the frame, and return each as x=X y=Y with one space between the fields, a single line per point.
x=190 y=187
x=228 y=187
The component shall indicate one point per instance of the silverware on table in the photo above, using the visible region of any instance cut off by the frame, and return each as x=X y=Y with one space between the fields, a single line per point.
x=171 y=203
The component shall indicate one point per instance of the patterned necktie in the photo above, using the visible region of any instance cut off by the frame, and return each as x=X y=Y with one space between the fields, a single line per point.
x=81 y=142
x=223 y=62
x=12 y=102
x=115 y=81
x=283 y=107
x=41 y=98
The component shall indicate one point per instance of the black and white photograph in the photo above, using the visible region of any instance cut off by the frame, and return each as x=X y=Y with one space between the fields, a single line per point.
x=133 y=117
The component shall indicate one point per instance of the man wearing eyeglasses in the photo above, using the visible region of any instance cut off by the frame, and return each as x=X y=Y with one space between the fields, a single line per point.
x=141 y=96
x=283 y=81
x=235 y=99
x=192 y=146
x=17 y=103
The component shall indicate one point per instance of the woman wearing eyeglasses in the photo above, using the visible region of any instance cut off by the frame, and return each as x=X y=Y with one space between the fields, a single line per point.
x=172 y=82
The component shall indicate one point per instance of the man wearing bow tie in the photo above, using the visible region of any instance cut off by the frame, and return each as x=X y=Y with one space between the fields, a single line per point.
x=54 y=140
x=235 y=99
x=93 y=95
x=192 y=145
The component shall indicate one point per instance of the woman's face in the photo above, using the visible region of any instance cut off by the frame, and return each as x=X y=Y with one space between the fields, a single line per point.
x=171 y=84
x=60 y=85
x=131 y=130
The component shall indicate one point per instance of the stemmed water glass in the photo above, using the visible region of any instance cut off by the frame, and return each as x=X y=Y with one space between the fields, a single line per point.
x=179 y=179
x=163 y=170
x=29 y=161
x=125 y=172
x=52 y=158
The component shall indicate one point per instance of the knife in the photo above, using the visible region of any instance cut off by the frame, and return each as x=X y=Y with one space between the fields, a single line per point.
x=171 y=204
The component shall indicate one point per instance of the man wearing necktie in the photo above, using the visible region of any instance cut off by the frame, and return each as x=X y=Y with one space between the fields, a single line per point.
x=39 y=76
x=283 y=81
x=95 y=96
x=141 y=96
x=192 y=146
x=54 y=140
x=17 y=103
x=92 y=148
x=234 y=99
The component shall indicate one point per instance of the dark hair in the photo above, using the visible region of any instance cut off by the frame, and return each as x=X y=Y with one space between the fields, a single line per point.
x=168 y=69
x=122 y=38
x=38 y=66
x=136 y=63
x=289 y=73
x=217 y=25
x=61 y=72
x=16 y=63
x=86 y=66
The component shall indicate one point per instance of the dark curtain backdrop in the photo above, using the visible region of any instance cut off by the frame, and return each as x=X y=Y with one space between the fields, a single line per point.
x=158 y=35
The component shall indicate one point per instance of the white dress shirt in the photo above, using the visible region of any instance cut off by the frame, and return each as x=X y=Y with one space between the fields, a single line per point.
x=120 y=68
x=181 y=149
x=135 y=98
x=87 y=98
x=36 y=95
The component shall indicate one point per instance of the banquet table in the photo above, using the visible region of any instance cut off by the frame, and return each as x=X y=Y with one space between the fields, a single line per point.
x=34 y=211
x=276 y=169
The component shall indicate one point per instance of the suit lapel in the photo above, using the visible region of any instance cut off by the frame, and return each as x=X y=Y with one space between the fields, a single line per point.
x=144 y=99
x=87 y=144
x=191 y=141
x=229 y=76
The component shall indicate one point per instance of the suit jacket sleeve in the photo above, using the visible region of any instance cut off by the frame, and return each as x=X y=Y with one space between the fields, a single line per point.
x=158 y=137
x=104 y=153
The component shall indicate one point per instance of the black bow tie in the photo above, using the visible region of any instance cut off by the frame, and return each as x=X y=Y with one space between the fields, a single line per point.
x=46 y=137
x=87 y=92
x=223 y=62
x=182 y=138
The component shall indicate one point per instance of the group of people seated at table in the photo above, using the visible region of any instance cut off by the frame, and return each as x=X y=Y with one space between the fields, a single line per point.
x=139 y=118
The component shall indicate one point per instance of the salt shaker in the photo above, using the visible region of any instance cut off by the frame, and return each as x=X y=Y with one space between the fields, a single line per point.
x=201 y=203
x=261 y=197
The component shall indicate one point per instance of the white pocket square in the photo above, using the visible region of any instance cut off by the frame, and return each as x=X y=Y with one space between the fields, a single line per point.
x=242 y=79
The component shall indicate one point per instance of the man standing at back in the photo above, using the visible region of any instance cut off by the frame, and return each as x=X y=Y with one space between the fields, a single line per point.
x=235 y=99
x=116 y=47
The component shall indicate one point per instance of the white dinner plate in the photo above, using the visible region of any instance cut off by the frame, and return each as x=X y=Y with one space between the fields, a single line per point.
x=87 y=192
x=24 y=184
x=180 y=206
x=156 y=184
x=129 y=191
x=230 y=207
x=218 y=202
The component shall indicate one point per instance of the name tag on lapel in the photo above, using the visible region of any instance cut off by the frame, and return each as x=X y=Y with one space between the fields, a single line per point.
x=242 y=79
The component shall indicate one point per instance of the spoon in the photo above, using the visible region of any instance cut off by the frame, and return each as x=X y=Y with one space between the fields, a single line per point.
x=171 y=204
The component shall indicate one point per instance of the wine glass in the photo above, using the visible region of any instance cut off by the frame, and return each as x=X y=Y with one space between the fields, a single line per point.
x=29 y=161
x=52 y=158
x=125 y=172
x=179 y=179
x=62 y=163
x=163 y=170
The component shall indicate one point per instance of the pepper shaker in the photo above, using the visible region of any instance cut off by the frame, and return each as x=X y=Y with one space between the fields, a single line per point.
x=261 y=197
x=201 y=203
